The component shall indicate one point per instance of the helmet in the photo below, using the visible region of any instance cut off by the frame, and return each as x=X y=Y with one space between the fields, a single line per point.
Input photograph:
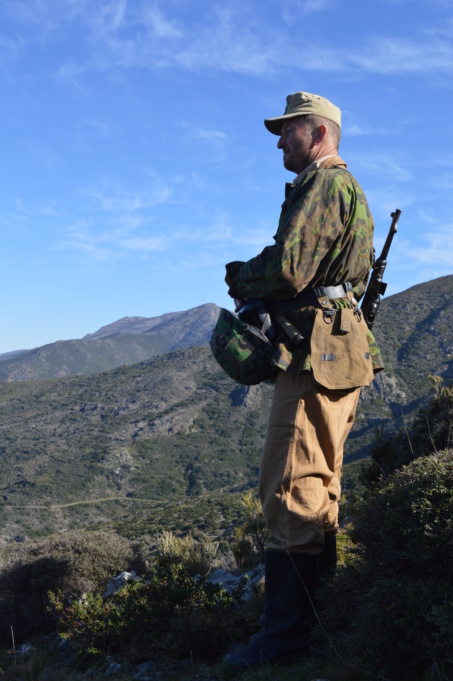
x=242 y=350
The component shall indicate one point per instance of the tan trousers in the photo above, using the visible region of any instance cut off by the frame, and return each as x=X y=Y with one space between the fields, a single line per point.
x=302 y=461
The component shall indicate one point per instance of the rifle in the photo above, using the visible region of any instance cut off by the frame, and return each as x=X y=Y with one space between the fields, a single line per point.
x=376 y=287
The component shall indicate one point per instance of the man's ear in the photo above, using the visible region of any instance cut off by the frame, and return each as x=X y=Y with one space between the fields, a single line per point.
x=319 y=134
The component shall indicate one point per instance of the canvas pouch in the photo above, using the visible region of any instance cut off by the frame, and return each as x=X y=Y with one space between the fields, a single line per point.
x=340 y=354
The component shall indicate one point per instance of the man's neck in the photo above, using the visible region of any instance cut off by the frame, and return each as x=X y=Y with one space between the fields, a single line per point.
x=313 y=166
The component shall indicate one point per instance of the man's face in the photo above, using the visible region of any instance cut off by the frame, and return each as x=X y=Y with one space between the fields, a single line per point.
x=296 y=141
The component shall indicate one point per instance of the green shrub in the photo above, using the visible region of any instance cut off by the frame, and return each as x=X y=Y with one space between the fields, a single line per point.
x=172 y=612
x=252 y=536
x=75 y=562
x=198 y=557
x=431 y=431
x=391 y=606
x=409 y=624
x=407 y=526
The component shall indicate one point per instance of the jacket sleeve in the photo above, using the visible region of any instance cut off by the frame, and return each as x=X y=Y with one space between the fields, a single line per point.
x=311 y=245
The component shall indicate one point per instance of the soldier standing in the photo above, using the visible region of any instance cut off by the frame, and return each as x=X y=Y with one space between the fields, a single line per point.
x=314 y=274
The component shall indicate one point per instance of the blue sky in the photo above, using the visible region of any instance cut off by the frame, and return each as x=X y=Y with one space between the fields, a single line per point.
x=136 y=162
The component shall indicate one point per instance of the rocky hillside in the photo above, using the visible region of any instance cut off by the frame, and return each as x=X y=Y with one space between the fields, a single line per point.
x=126 y=341
x=171 y=438
x=171 y=442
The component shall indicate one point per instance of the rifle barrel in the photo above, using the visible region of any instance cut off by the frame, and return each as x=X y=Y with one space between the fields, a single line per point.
x=376 y=287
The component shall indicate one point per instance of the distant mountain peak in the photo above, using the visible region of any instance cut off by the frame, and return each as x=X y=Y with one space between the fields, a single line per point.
x=127 y=341
x=146 y=324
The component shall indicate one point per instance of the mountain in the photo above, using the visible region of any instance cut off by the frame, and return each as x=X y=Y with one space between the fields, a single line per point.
x=126 y=341
x=172 y=442
x=153 y=445
x=414 y=330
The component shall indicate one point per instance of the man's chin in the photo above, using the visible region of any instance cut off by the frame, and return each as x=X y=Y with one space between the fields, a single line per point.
x=288 y=165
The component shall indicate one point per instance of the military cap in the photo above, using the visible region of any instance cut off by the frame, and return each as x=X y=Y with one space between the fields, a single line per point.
x=303 y=104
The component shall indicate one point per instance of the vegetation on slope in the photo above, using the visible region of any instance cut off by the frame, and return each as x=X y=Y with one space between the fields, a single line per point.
x=386 y=616
x=139 y=444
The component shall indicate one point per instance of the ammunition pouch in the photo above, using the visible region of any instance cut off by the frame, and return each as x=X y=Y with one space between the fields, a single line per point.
x=339 y=348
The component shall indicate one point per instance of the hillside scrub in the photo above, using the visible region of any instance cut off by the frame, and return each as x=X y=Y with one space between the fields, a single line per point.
x=76 y=562
x=393 y=601
x=56 y=584
x=390 y=608
x=171 y=613
x=431 y=431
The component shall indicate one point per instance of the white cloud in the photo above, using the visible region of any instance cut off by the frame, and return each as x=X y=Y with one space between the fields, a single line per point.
x=231 y=37
x=385 y=166
x=216 y=140
x=160 y=26
x=398 y=55
x=111 y=197
x=10 y=47
x=355 y=130
x=444 y=181
x=144 y=243
x=216 y=137
x=306 y=7
x=438 y=248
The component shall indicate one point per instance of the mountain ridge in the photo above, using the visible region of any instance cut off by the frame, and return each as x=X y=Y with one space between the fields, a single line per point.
x=123 y=342
x=172 y=442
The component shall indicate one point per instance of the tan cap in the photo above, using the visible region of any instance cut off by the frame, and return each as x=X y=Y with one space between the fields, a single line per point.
x=303 y=104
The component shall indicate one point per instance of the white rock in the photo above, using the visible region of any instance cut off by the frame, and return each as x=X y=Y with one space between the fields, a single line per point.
x=25 y=649
x=117 y=582
x=230 y=581
x=112 y=669
x=144 y=670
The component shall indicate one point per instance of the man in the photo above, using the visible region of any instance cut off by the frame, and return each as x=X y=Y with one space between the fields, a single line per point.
x=310 y=279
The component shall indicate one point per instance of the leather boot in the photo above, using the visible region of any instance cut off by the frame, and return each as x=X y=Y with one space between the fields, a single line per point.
x=328 y=557
x=290 y=581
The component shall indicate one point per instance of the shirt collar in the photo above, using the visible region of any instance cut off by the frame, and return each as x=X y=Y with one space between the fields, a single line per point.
x=313 y=166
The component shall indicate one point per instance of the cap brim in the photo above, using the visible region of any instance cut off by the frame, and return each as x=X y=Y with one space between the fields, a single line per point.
x=274 y=125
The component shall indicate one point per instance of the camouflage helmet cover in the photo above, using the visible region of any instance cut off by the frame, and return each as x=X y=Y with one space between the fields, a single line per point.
x=243 y=352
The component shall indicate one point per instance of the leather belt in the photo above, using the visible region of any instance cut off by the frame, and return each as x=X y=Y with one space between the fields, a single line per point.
x=332 y=292
x=308 y=297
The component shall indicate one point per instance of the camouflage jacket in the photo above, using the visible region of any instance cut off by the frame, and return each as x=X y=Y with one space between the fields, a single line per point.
x=324 y=238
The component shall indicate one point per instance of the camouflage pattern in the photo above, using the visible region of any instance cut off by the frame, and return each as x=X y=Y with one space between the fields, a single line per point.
x=242 y=351
x=324 y=238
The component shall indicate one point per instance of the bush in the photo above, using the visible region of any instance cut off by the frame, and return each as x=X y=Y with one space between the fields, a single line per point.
x=198 y=557
x=75 y=562
x=393 y=602
x=407 y=526
x=431 y=431
x=171 y=612
x=252 y=536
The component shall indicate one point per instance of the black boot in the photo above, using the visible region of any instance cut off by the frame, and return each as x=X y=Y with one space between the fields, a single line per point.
x=328 y=557
x=290 y=581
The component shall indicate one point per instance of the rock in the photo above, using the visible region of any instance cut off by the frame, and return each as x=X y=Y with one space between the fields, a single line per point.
x=231 y=582
x=144 y=670
x=112 y=669
x=117 y=582
x=25 y=649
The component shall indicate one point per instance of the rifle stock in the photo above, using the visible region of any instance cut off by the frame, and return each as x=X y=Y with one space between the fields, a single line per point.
x=376 y=287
